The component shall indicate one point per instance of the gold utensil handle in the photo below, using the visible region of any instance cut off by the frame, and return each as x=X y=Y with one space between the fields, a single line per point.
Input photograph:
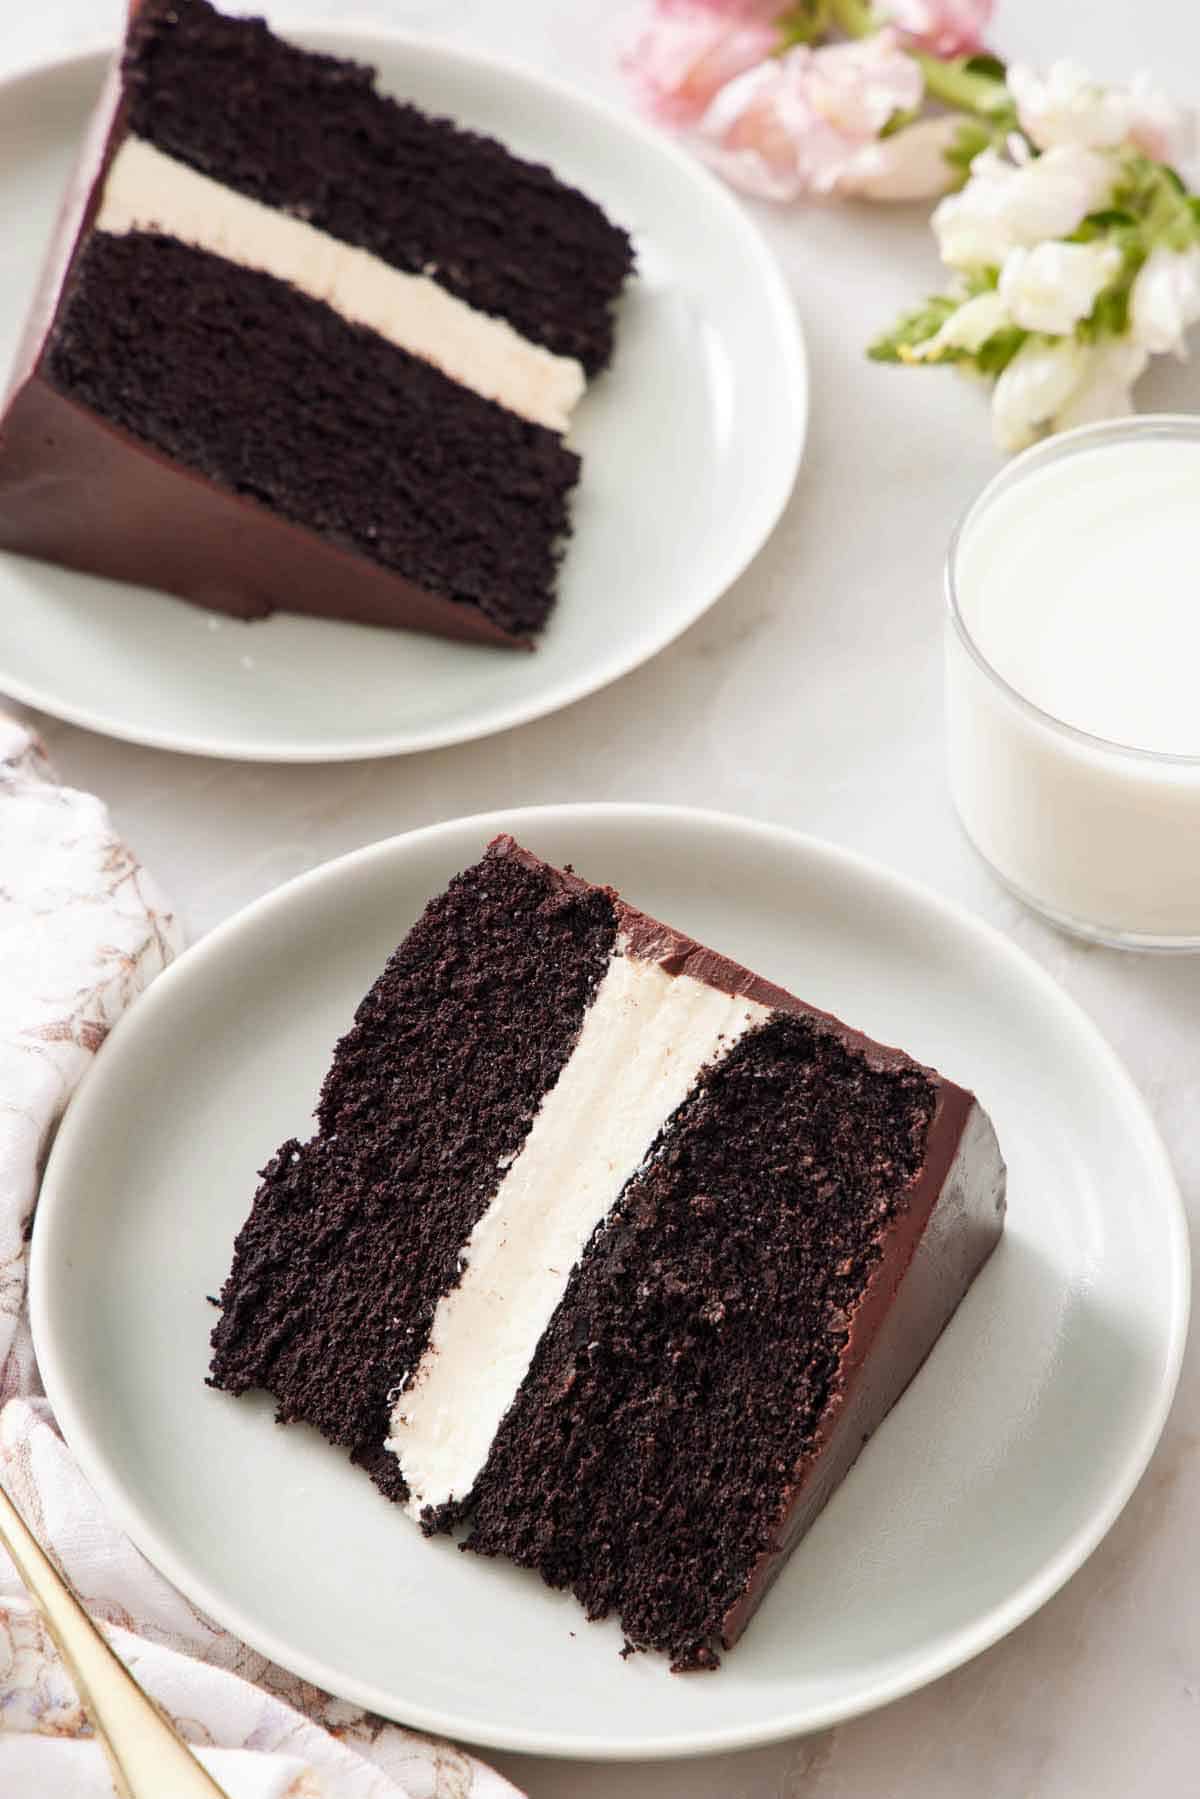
x=149 y=1761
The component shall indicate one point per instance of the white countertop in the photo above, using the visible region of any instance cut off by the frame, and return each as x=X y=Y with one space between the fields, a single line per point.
x=809 y=696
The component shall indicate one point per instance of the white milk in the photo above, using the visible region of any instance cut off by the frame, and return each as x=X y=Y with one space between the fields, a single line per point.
x=1077 y=580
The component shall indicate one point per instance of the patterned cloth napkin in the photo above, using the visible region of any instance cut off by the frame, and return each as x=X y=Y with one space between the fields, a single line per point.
x=82 y=931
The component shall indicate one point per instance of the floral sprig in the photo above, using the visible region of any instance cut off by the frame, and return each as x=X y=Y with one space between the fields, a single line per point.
x=1063 y=216
x=1076 y=256
x=821 y=98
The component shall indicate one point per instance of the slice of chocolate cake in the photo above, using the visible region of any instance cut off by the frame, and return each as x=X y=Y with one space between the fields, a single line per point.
x=607 y=1247
x=301 y=346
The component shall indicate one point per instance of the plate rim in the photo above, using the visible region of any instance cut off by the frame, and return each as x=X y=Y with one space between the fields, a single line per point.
x=770 y=501
x=949 y=1651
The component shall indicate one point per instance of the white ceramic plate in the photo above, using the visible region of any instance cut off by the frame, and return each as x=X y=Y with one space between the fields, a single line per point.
x=997 y=1473
x=690 y=446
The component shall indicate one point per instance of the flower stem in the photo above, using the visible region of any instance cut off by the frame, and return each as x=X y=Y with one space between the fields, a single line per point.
x=966 y=90
x=954 y=83
x=805 y=23
x=855 y=17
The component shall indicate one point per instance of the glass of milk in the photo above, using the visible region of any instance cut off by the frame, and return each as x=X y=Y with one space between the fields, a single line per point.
x=1073 y=680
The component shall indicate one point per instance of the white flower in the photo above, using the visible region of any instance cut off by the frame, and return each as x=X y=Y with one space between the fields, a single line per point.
x=1066 y=105
x=1165 y=299
x=1003 y=206
x=1165 y=131
x=1105 y=387
x=1057 y=191
x=1053 y=286
x=968 y=328
x=1051 y=387
x=1037 y=383
x=972 y=227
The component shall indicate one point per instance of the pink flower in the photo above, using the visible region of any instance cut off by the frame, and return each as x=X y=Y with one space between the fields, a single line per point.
x=691 y=48
x=943 y=27
x=795 y=125
x=909 y=165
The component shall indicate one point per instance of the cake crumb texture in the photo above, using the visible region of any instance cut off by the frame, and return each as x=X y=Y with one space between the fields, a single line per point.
x=650 y=1456
x=311 y=135
x=269 y=394
x=355 y=1235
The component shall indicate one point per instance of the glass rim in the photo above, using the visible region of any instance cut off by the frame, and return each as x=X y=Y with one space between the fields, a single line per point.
x=1050 y=449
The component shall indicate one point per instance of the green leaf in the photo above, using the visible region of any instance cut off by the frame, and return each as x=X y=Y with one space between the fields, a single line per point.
x=1156 y=196
x=913 y=328
x=996 y=354
x=1184 y=230
x=917 y=326
x=899 y=120
x=1101 y=224
x=970 y=140
x=981 y=280
x=987 y=65
x=1109 y=317
x=954 y=82
x=854 y=17
x=805 y=23
x=1138 y=186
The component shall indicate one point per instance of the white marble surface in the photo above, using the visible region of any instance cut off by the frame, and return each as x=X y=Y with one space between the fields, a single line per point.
x=810 y=696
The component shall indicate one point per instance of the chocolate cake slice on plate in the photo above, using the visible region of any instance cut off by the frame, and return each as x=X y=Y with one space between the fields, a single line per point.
x=607 y=1248
x=300 y=345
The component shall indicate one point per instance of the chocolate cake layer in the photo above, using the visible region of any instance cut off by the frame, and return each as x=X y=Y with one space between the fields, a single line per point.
x=270 y=396
x=355 y=1235
x=309 y=134
x=634 y=1313
x=648 y=1460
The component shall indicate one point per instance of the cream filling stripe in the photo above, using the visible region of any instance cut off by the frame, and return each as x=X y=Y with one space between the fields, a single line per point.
x=147 y=191
x=645 y=1038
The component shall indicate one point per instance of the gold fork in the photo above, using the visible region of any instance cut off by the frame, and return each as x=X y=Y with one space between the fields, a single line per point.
x=148 y=1759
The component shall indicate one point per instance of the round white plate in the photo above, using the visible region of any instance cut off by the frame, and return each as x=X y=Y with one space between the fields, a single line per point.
x=690 y=446
x=997 y=1473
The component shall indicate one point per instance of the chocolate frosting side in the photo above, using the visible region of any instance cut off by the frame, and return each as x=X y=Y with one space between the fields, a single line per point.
x=77 y=491
x=79 y=206
x=677 y=953
x=933 y=1251
x=934 y=1246
x=84 y=494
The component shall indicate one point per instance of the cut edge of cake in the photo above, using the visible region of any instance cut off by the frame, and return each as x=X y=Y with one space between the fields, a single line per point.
x=91 y=494
x=944 y=1223
x=933 y=1251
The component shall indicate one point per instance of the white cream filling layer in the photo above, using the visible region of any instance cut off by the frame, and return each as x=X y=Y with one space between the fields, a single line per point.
x=645 y=1038
x=147 y=191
